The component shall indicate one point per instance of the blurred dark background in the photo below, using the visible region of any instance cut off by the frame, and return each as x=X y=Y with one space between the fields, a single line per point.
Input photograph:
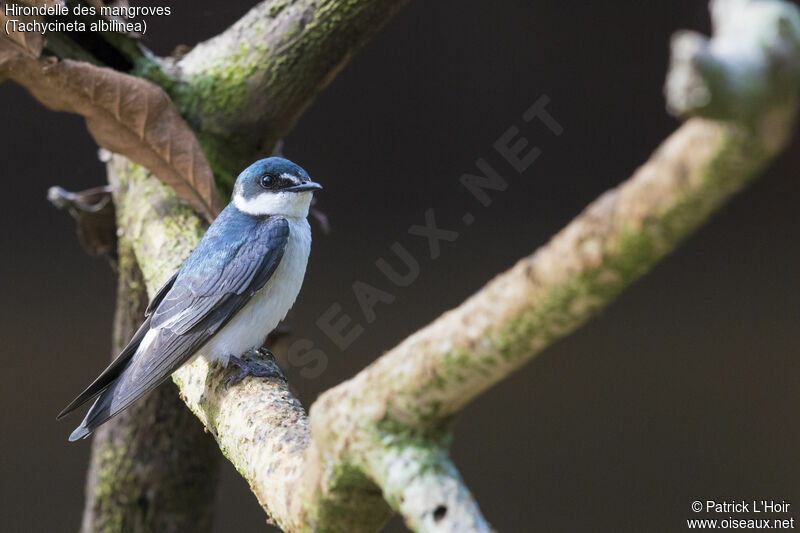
x=684 y=389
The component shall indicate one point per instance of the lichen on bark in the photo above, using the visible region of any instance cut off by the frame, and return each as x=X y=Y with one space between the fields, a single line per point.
x=152 y=468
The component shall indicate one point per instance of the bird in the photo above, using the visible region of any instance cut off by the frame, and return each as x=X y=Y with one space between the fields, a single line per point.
x=235 y=287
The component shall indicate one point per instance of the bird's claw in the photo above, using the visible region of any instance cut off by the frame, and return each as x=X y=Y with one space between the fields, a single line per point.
x=265 y=353
x=260 y=369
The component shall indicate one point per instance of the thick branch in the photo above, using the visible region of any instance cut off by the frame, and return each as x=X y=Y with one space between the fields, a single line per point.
x=259 y=426
x=432 y=374
x=412 y=391
x=152 y=468
x=243 y=90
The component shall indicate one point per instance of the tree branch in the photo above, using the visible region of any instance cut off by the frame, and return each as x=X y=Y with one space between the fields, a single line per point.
x=135 y=482
x=435 y=372
x=244 y=89
x=268 y=68
x=387 y=429
x=268 y=428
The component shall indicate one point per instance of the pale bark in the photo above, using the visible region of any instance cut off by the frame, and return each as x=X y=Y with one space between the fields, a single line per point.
x=243 y=90
x=388 y=426
x=152 y=468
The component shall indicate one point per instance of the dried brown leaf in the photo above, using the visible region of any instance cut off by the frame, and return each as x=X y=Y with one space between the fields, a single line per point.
x=29 y=43
x=124 y=114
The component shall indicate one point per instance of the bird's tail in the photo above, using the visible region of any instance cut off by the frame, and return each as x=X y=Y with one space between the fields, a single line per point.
x=140 y=376
x=101 y=411
x=111 y=402
x=110 y=374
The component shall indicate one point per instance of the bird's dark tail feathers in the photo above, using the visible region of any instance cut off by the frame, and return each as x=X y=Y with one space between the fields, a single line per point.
x=100 y=412
x=102 y=409
x=111 y=373
x=128 y=387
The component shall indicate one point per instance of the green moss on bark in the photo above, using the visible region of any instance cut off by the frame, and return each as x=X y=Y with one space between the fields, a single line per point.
x=152 y=467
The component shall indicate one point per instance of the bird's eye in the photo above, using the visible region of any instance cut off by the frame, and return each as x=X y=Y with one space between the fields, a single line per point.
x=266 y=181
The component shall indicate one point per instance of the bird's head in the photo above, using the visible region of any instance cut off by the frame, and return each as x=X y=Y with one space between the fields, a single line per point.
x=274 y=186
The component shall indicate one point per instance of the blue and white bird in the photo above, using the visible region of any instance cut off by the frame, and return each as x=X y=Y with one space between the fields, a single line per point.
x=229 y=294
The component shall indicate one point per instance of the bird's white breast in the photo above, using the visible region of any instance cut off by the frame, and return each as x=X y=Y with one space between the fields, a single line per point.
x=250 y=326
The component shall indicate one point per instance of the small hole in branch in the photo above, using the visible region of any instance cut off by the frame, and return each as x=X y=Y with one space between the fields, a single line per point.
x=439 y=513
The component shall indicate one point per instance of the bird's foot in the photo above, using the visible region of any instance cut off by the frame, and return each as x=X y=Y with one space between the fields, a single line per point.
x=263 y=353
x=258 y=363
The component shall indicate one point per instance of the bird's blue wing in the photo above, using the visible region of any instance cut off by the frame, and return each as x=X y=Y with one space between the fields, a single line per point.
x=161 y=294
x=232 y=262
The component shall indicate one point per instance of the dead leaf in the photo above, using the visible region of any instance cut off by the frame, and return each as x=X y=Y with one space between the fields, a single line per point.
x=29 y=43
x=124 y=114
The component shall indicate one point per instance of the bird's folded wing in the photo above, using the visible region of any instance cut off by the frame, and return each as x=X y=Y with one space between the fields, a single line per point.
x=213 y=285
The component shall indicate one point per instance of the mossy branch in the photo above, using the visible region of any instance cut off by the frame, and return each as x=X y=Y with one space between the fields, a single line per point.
x=134 y=482
x=244 y=89
x=381 y=437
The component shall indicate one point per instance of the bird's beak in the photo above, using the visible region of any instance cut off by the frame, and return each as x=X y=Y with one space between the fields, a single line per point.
x=308 y=186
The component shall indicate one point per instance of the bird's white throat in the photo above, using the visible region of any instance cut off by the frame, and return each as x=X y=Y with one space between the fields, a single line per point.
x=288 y=204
